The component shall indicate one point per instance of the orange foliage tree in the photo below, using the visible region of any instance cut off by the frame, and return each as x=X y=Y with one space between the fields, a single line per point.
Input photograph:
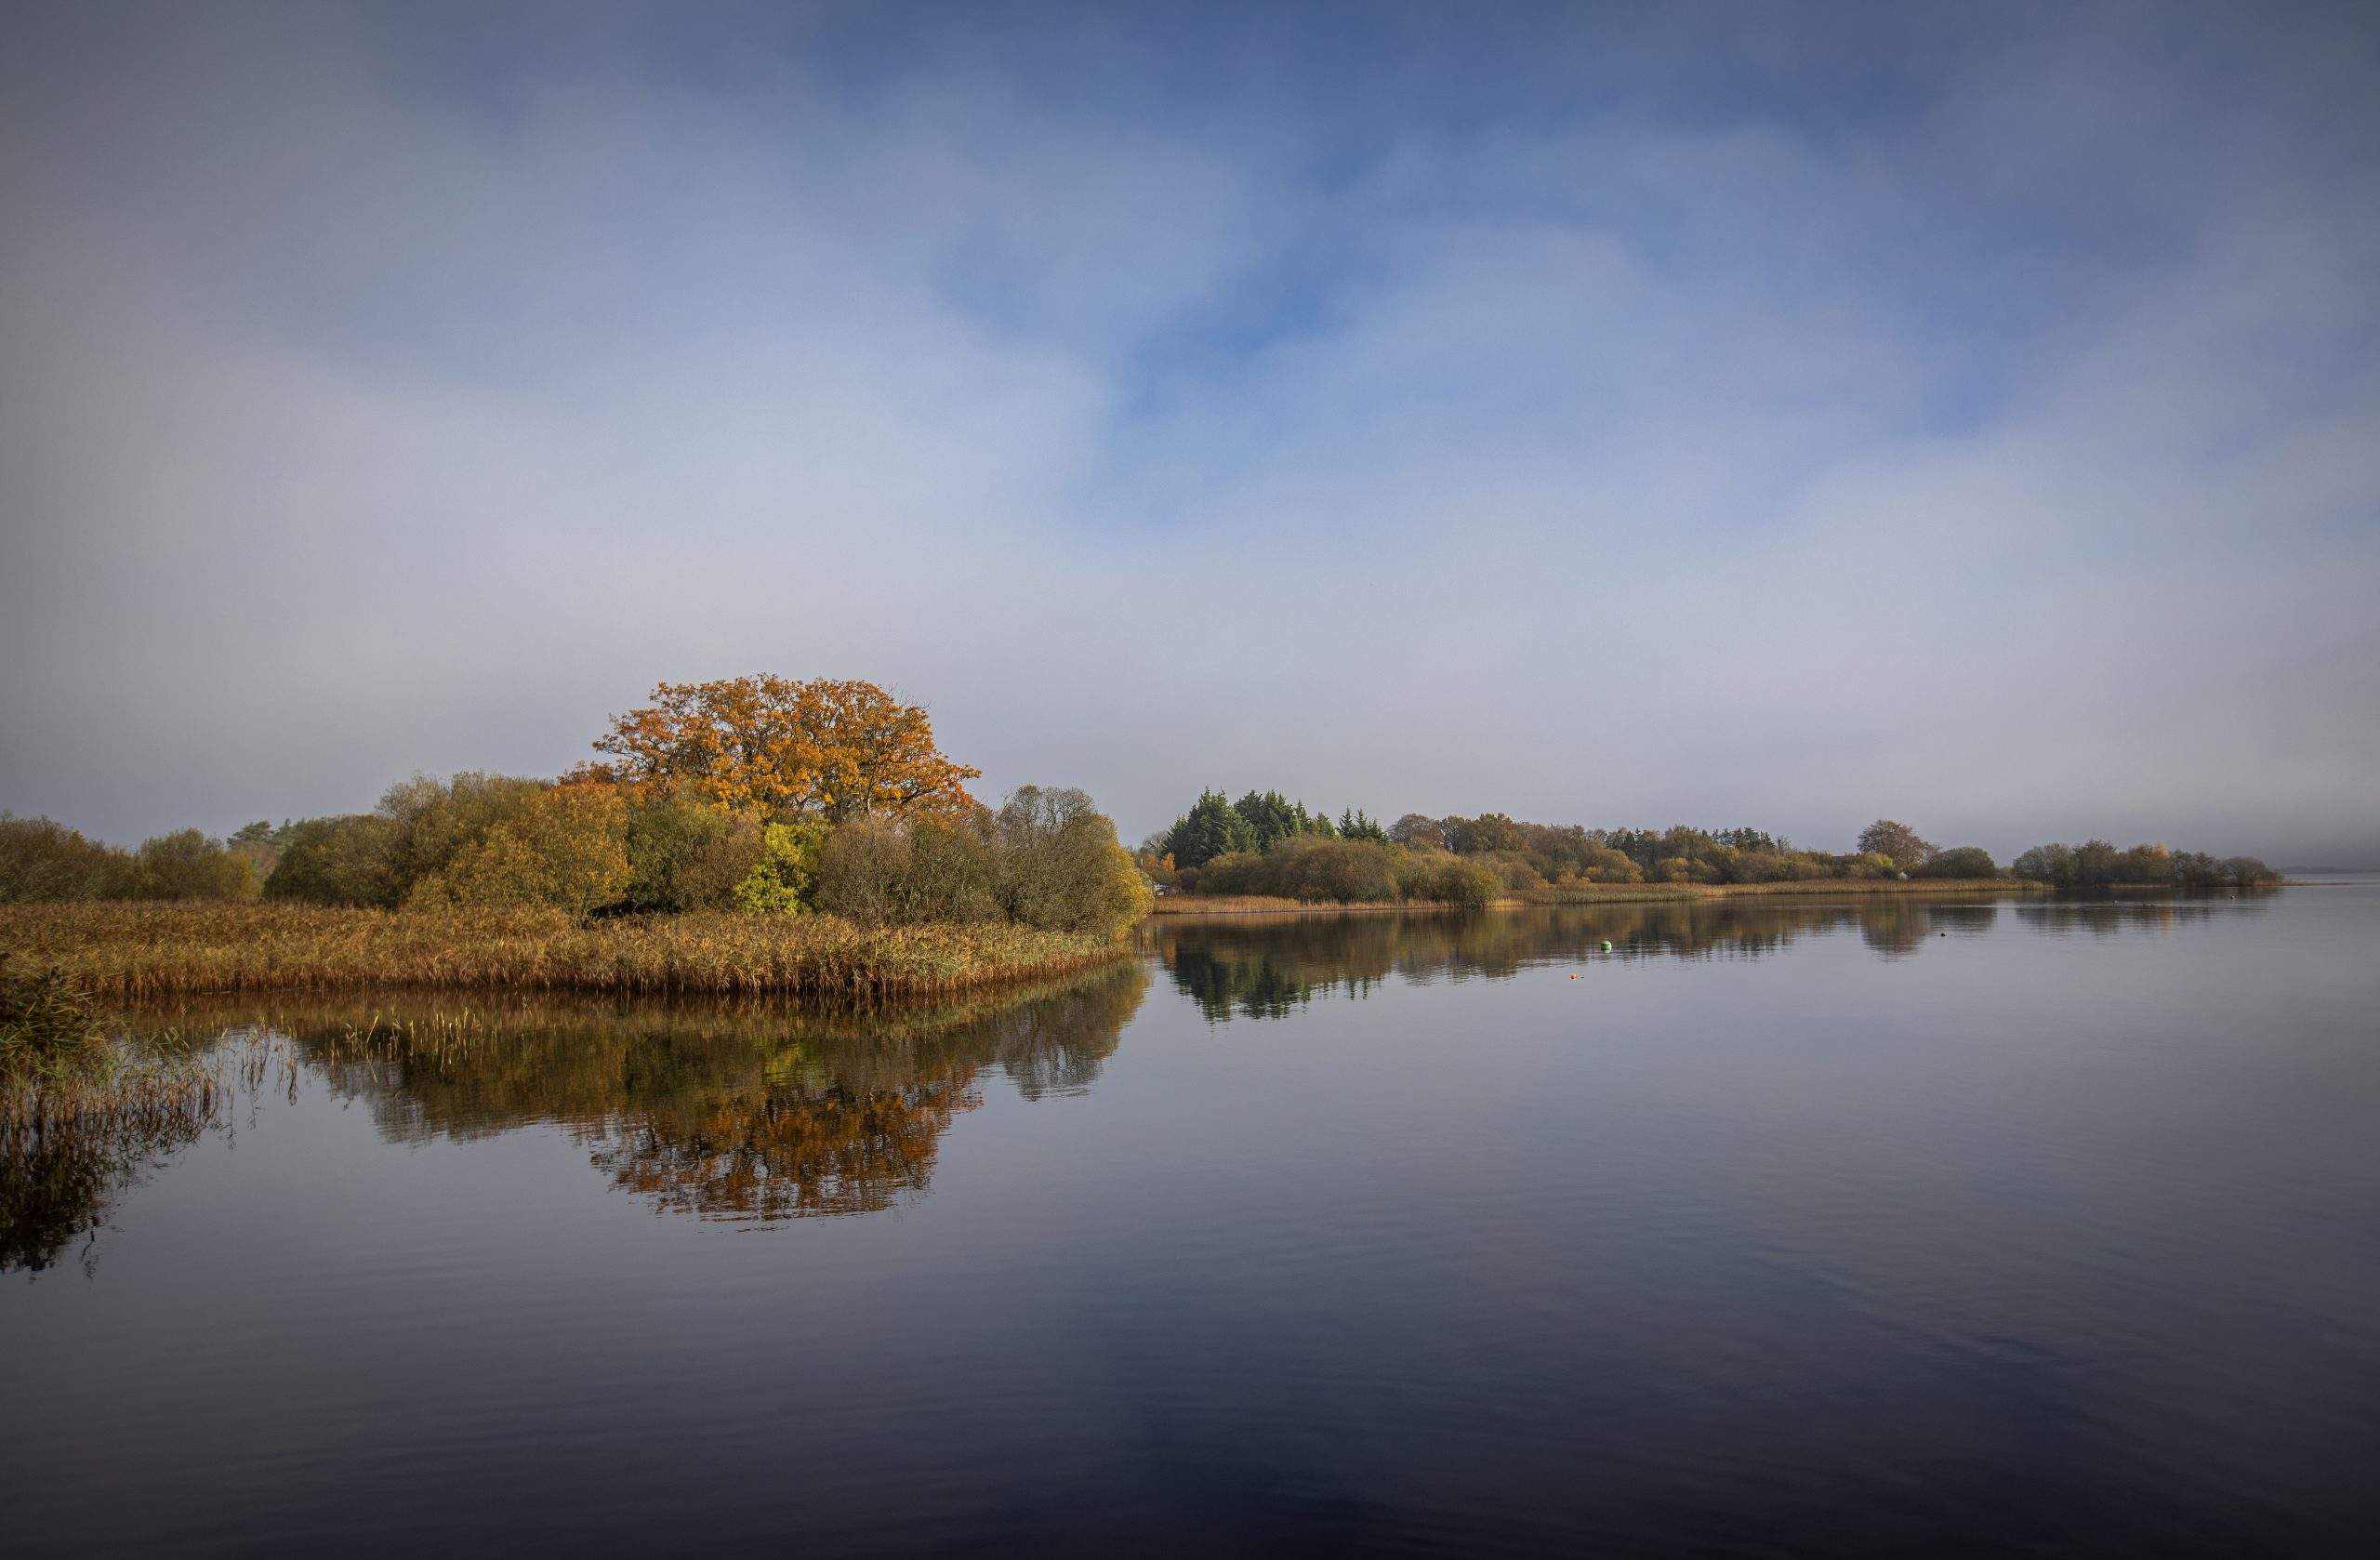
x=821 y=748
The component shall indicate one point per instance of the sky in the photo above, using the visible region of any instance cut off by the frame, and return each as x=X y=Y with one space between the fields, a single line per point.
x=1762 y=414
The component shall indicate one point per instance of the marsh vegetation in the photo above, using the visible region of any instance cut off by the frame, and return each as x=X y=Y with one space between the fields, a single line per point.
x=144 y=951
x=87 y=1110
x=751 y=835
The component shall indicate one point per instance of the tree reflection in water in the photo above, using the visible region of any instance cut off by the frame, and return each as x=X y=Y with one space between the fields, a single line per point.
x=767 y=1112
x=1268 y=966
x=2104 y=916
x=756 y=1112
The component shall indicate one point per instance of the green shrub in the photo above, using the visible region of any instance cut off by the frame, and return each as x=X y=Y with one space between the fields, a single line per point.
x=959 y=872
x=1047 y=860
x=863 y=872
x=1232 y=872
x=187 y=865
x=1513 y=869
x=687 y=854
x=1446 y=878
x=43 y=860
x=562 y=846
x=1336 y=871
x=1601 y=864
x=779 y=883
x=2097 y=863
x=477 y=840
x=1961 y=861
x=351 y=860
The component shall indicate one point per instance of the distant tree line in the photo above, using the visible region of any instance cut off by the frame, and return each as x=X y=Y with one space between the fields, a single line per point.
x=1264 y=844
x=2097 y=863
x=754 y=794
x=40 y=859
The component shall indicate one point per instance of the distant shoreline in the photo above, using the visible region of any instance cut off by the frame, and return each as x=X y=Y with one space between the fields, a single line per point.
x=1617 y=893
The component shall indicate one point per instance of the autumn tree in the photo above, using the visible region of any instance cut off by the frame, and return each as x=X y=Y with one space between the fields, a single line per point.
x=42 y=859
x=1885 y=838
x=821 y=748
x=187 y=865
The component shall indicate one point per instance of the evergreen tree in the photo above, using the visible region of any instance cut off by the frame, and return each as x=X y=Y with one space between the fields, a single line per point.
x=1210 y=829
x=1272 y=817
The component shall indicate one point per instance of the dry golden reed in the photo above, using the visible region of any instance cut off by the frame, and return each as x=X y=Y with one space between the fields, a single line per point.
x=146 y=951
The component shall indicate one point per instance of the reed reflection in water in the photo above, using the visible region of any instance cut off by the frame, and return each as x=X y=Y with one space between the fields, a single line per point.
x=752 y=1112
x=758 y=1111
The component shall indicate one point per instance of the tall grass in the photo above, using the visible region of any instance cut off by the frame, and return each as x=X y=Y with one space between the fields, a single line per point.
x=65 y=1062
x=49 y=1026
x=147 y=951
x=85 y=1110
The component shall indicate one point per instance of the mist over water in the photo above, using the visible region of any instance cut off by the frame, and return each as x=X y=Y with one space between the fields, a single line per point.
x=1776 y=1228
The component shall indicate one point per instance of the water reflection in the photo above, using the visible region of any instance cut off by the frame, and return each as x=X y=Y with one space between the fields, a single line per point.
x=57 y=1189
x=751 y=1113
x=2104 y=916
x=1268 y=966
x=65 y=1162
x=763 y=1112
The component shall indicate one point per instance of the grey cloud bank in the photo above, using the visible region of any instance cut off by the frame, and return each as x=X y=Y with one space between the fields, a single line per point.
x=1762 y=414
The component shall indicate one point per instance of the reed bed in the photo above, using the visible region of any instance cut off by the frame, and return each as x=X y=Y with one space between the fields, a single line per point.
x=133 y=1092
x=86 y=1109
x=143 y=952
x=68 y=1068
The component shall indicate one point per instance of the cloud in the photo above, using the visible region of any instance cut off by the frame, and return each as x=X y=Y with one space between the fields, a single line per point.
x=1990 y=447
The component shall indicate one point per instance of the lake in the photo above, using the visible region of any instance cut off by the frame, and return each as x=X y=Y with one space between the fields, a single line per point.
x=1777 y=1228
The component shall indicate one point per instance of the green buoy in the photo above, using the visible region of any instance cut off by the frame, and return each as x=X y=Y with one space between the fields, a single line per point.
x=1607 y=944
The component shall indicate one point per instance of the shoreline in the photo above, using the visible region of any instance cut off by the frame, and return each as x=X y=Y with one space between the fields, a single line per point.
x=1191 y=904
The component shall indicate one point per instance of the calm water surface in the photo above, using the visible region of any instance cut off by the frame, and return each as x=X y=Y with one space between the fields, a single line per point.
x=1815 y=1229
